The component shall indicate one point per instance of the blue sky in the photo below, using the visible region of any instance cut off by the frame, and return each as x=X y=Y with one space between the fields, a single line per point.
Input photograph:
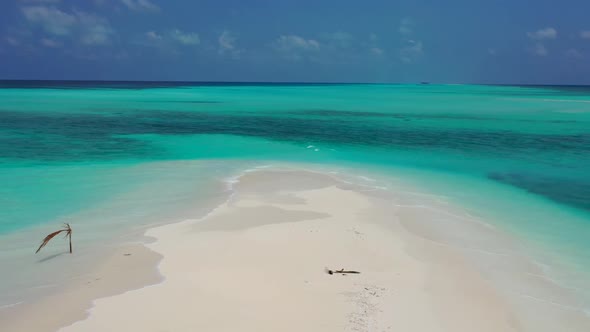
x=453 y=41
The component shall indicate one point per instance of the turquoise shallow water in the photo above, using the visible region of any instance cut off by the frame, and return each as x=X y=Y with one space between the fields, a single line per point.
x=519 y=156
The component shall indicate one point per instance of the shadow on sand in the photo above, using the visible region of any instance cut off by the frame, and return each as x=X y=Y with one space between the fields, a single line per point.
x=50 y=257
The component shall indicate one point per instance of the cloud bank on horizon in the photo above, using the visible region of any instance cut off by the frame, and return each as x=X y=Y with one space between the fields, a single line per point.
x=458 y=41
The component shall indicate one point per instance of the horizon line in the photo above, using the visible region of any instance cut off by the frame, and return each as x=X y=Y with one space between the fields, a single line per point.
x=284 y=82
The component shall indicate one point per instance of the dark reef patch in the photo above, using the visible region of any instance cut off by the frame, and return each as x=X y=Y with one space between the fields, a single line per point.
x=562 y=190
x=65 y=136
x=44 y=137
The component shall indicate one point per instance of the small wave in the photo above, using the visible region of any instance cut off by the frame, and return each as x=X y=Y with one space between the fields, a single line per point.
x=550 y=100
x=366 y=178
x=567 y=100
x=44 y=286
x=574 y=111
x=230 y=182
x=550 y=302
x=10 y=305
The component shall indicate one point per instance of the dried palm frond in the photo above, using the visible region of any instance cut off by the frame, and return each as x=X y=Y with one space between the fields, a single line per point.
x=48 y=238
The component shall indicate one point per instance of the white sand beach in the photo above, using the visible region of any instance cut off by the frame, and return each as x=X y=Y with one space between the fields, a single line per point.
x=258 y=263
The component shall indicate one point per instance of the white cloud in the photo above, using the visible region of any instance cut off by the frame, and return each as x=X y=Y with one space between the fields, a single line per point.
x=406 y=26
x=296 y=48
x=52 y=20
x=377 y=51
x=141 y=5
x=296 y=43
x=573 y=53
x=51 y=43
x=540 y=50
x=95 y=30
x=153 y=35
x=226 y=40
x=185 y=38
x=41 y=1
x=411 y=51
x=340 y=39
x=541 y=34
x=87 y=28
x=585 y=34
x=12 y=41
x=227 y=44
x=372 y=45
x=97 y=35
x=168 y=41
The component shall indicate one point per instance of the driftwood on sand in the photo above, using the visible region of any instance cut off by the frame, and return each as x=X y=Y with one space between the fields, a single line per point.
x=66 y=229
x=341 y=271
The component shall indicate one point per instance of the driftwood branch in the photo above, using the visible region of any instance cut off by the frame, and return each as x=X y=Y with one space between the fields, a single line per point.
x=341 y=271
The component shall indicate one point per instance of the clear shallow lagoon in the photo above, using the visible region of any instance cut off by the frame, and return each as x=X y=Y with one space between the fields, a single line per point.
x=105 y=156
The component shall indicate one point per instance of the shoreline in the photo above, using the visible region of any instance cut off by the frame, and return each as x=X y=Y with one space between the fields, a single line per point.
x=422 y=250
x=127 y=268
